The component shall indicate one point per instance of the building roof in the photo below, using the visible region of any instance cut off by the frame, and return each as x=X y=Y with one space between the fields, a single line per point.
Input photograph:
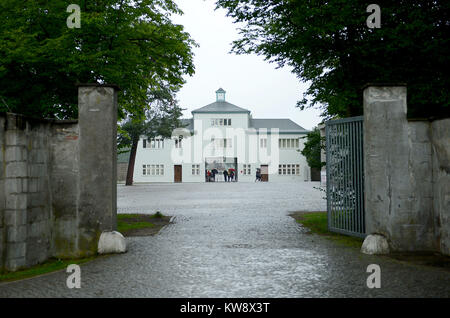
x=283 y=124
x=220 y=107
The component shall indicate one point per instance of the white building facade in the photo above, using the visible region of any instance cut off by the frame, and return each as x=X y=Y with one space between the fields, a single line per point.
x=222 y=136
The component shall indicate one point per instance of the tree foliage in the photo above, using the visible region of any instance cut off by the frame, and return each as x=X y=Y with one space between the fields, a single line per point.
x=312 y=149
x=328 y=44
x=130 y=43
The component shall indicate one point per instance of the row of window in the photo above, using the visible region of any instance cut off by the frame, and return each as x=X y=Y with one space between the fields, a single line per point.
x=288 y=143
x=158 y=143
x=221 y=143
x=221 y=122
x=153 y=170
x=158 y=170
x=289 y=169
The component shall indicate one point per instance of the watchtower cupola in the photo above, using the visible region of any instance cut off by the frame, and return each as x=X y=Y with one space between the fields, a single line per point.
x=220 y=95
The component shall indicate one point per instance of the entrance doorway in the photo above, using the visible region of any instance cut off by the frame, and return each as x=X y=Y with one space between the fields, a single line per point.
x=219 y=165
x=264 y=173
x=178 y=173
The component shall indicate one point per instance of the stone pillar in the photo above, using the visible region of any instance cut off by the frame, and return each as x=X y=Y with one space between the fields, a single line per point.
x=440 y=132
x=397 y=169
x=97 y=207
x=15 y=182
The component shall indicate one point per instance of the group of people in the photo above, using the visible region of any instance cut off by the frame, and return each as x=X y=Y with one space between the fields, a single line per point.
x=228 y=175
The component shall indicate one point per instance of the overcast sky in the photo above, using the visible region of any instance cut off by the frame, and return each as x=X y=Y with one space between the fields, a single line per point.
x=250 y=82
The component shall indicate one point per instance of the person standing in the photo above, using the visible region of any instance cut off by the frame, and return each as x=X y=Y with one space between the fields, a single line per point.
x=225 y=175
x=258 y=174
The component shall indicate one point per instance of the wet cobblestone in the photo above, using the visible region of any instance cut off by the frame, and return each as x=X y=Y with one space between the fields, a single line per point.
x=234 y=240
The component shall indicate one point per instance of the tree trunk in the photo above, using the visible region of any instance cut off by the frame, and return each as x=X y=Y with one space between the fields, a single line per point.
x=131 y=161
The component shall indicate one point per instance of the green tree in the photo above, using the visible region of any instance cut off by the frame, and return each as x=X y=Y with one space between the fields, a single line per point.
x=328 y=44
x=130 y=43
x=160 y=120
x=312 y=149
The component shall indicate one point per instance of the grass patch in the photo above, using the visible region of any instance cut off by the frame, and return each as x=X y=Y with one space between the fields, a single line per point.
x=317 y=222
x=125 y=223
x=49 y=266
x=141 y=224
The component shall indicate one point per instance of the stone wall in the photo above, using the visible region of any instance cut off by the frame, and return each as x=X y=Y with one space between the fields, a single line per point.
x=49 y=207
x=406 y=173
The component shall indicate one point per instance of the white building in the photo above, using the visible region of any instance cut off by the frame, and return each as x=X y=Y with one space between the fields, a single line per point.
x=222 y=136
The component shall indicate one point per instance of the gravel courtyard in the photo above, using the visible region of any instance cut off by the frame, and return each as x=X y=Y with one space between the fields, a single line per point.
x=233 y=240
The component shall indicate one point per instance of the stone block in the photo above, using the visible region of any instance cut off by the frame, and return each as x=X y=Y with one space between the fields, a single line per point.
x=15 y=138
x=15 y=250
x=15 y=264
x=16 y=201
x=34 y=214
x=13 y=185
x=37 y=170
x=39 y=229
x=375 y=244
x=37 y=199
x=14 y=153
x=16 y=170
x=33 y=185
x=16 y=234
x=111 y=242
x=15 y=217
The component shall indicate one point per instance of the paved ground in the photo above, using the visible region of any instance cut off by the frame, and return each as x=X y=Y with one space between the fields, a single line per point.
x=234 y=240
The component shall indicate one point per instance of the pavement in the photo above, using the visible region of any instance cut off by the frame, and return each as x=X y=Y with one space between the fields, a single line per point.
x=234 y=240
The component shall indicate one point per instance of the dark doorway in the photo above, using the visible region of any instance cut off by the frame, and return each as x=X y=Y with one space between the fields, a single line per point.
x=264 y=173
x=178 y=172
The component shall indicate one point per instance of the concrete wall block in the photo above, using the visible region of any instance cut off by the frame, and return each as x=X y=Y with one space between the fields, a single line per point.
x=37 y=200
x=39 y=229
x=14 y=153
x=43 y=185
x=35 y=215
x=15 y=138
x=33 y=185
x=15 y=217
x=15 y=250
x=419 y=131
x=16 y=170
x=15 y=264
x=38 y=250
x=16 y=201
x=16 y=234
x=37 y=170
x=13 y=185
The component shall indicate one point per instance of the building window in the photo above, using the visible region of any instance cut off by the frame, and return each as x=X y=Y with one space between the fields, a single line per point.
x=155 y=143
x=289 y=169
x=221 y=122
x=178 y=142
x=153 y=170
x=195 y=170
x=288 y=143
x=247 y=170
x=263 y=143
x=221 y=143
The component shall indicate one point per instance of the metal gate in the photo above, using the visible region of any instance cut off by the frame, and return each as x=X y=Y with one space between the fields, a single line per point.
x=345 y=176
